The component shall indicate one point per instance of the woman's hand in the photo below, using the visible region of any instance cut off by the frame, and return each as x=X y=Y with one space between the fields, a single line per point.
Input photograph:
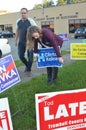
x=61 y=60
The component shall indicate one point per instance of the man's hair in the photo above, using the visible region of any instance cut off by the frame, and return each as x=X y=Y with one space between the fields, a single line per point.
x=24 y=9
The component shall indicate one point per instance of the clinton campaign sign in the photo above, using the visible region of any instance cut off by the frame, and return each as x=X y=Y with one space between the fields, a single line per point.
x=47 y=58
x=8 y=73
x=64 y=110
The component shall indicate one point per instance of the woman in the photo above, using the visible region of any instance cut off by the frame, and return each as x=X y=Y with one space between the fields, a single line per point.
x=46 y=38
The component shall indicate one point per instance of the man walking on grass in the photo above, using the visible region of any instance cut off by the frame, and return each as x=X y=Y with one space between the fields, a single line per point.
x=22 y=25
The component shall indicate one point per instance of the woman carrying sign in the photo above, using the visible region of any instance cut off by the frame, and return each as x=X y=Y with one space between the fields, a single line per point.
x=46 y=38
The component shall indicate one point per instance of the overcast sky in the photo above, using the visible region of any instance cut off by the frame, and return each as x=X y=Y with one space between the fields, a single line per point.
x=16 y=5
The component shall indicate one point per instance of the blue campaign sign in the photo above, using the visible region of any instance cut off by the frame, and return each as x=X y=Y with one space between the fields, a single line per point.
x=64 y=36
x=47 y=58
x=8 y=73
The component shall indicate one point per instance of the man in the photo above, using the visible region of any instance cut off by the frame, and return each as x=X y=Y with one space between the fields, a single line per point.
x=22 y=25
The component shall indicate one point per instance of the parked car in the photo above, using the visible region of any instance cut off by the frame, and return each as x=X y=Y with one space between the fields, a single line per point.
x=6 y=34
x=5 y=47
x=80 y=32
x=72 y=30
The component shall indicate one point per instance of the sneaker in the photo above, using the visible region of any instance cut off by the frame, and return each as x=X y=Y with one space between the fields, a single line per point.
x=51 y=81
x=26 y=69
x=29 y=73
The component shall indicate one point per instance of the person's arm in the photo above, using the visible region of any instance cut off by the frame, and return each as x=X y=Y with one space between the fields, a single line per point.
x=54 y=42
x=16 y=37
x=33 y=23
x=17 y=33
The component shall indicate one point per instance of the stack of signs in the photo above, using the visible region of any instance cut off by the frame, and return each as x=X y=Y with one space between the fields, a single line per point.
x=5 y=118
x=8 y=73
x=64 y=110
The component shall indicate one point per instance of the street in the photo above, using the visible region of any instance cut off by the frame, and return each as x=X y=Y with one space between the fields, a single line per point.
x=66 y=46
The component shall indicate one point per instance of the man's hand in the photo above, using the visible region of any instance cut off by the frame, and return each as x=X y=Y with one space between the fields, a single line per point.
x=16 y=37
x=15 y=42
x=61 y=60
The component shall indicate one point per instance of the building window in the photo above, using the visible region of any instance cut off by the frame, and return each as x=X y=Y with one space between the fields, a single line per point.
x=76 y=23
x=6 y=27
x=48 y=24
x=1 y=27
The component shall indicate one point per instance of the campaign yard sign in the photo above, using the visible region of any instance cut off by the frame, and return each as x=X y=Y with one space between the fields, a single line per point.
x=64 y=36
x=47 y=58
x=5 y=117
x=8 y=73
x=64 y=110
x=78 y=51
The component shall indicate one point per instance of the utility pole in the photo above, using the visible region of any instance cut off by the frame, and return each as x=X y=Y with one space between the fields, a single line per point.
x=42 y=7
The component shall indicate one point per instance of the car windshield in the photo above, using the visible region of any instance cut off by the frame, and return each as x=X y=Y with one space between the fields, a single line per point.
x=80 y=29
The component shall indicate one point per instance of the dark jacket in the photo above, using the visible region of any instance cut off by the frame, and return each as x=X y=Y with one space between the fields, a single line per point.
x=50 y=39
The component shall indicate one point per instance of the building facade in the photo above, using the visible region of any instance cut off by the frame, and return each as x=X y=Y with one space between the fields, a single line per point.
x=60 y=19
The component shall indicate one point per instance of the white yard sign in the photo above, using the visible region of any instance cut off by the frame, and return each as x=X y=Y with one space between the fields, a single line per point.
x=5 y=118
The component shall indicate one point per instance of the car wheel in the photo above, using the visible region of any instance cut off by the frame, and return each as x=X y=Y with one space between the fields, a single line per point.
x=75 y=37
x=0 y=54
x=2 y=36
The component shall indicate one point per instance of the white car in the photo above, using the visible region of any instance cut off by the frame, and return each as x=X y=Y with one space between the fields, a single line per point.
x=5 y=48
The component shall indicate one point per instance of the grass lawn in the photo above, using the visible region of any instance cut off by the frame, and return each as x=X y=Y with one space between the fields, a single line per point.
x=18 y=63
x=22 y=96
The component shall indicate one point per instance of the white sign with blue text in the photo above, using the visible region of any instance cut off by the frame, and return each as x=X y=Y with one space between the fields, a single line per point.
x=47 y=58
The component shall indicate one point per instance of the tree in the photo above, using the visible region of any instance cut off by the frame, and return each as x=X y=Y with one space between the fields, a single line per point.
x=60 y=2
x=50 y=3
x=68 y=1
x=37 y=6
x=45 y=4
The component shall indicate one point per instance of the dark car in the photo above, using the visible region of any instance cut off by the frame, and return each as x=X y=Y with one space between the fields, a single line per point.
x=80 y=32
x=72 y=30
x=5 y=34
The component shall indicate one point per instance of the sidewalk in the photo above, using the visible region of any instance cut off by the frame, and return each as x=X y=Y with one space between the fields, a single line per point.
x=36 y=71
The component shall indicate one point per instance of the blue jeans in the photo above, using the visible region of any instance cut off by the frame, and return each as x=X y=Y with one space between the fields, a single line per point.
x=52 y=73
x=21 y=53
x=30 y=58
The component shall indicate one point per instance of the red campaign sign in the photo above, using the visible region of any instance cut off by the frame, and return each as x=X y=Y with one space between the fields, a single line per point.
x=4 y=122
x=61 y=110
